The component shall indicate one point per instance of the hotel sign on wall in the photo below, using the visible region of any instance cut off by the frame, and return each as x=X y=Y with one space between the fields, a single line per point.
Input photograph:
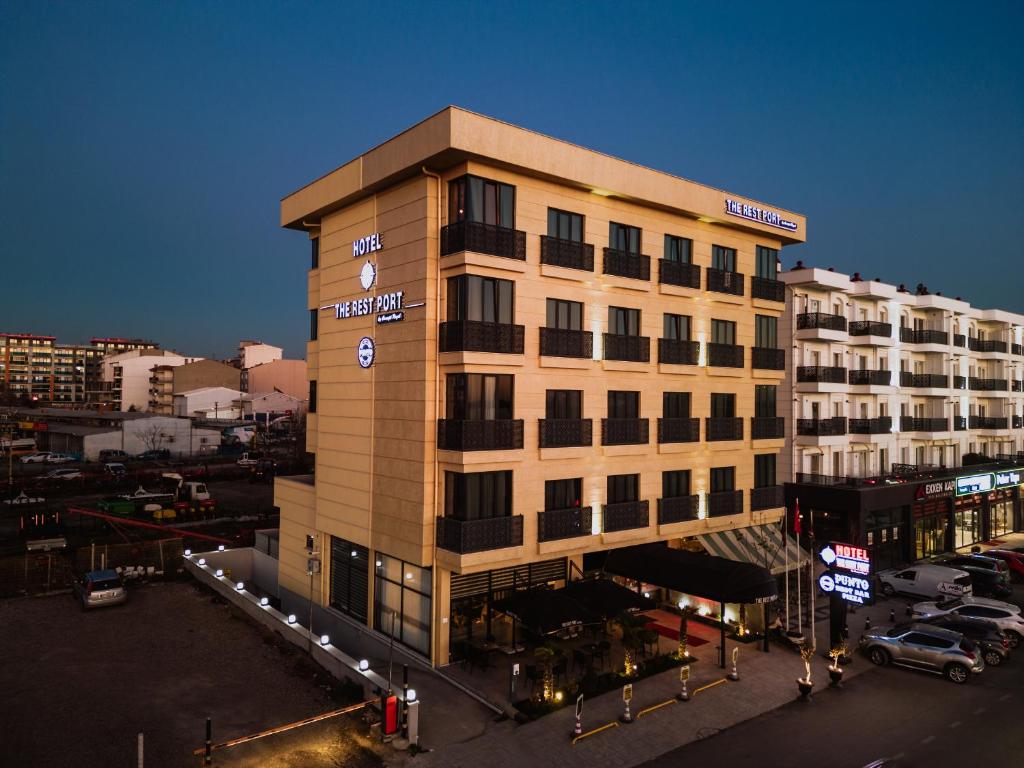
x=760 y=215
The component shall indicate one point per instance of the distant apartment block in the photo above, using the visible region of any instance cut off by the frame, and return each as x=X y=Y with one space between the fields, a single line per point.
x=168 y=381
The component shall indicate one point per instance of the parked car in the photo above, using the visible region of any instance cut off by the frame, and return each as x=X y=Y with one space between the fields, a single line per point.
x=931 y=581
x=994 y=644
x=63 y=474
x=921 y=646
x=40 y=457
x=1006 y=616
x=156 y=454
x=99 y=588
x=1014 y=560
x=114 y=469
x=112 y=454
x=989 y=576
x=59 y=458
x=973 y=560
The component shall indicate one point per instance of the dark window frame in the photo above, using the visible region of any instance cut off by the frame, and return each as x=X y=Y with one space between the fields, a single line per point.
x=623 y=489
x=766 y=263
x=563 y=404
x=492 y=495
x=678 y=250
x=626 y=318
x=565 y=493
x=673 y=327
x=462 y=201
x=467 y=397
x=558 y=217
x=564 y=314
x=625 y=238
x=623 y=402
x=723 y=258
x=495 y=293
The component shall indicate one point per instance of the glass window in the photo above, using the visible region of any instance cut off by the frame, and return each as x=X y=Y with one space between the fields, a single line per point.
x=314 y=251
x=480 y=396
x=483 y=299
x=764 y=400
x=402 y=602
x=767 y=263
x=675 y=405
x=471 y=198
x=764 y=470
x=477 y=495
x=723 y=258
x=723 y=479
x=623 y=238
x=623 y=405
x=564 y=404
x=623 y=488
x=623 y=321
x=312 y=396
x=314 y=320
x=567 y=315
x=350 y=574
x=677 y=327
x=678 y=249
x=563 y=494
x=675 y=483
x=723 y=406
x=766 y=332
x=723 y=332
x=565 y=225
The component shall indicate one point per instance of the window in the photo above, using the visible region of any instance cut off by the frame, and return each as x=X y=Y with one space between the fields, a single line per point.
x=403 y=591
x=471 y=198
x=675 y=483
x=477 y=495
x=766 y=332
x=675 y=405
x=312 y=396
x=314 y=319
x=723 y=406
x=350 y=575
x=764 y=470
x=723 y=258
x=483 y=299
x=565 y=225
x=677 y=327
x=766 y=265
x=723 y=332
x=623 y=488
x=723 y=479
x=623 y=405
x=479 y=396
x=567 y=315
x=314 y=253
x=623 y=238
x=564 y=404
x=623 y=321
x=563 y=494
x=764 y=400
x=678 y=249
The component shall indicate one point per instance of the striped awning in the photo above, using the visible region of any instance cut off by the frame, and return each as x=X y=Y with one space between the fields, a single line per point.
x=758 y=544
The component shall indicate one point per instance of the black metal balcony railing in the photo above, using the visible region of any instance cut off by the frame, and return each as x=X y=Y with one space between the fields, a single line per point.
x=626 y=264
x=959 y=382
x=818 y=479
x=555 y=524
x=476 y=336
x=876 y=426
x=767 y=427
x=679 y=430
x=771 y=290
x=625 y=516
x=959 y=340
x=928 y=336
x=677 y=509
x=924 y=380
x=563 y=342
x=1016 y=385
x=878 y=378
x=720 y=281
x=483 y=238
x=566 y=253
x=725 y=355
x=566 y=433
x=822 y=374
x=870 y=328
x=479 y=435
x=723 y=428
x=921 y=424
x=987 y=385
x=467 y=536
x=678 y=351
x=678 y=273
x=768 y=359
x=722 y=503
x=906 y=334
x=1017 y=349
x=630 y=348
x=624 y=432
x=833 y=427
x=988 y=422
x=986 y=345
x=768 y=497
x=810 y=320
x=959 y=423
x=1017 y=422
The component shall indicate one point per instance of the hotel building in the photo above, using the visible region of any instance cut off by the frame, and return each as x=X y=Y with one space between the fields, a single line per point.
x=523 y=354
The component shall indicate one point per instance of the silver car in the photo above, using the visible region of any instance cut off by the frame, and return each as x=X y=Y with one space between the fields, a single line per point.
x=921 y=646
x=99 y=588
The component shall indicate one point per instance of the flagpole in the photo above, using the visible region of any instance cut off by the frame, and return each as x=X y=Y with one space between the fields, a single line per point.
x=785 y=546
x=810 y=583
x=799 y=573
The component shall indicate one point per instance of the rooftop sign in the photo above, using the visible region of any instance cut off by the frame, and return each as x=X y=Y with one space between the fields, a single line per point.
x=969 y=484
x=760 y=215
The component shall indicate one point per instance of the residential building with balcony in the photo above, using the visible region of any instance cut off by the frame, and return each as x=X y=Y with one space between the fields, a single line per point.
x=130 y=382
x=524 y=354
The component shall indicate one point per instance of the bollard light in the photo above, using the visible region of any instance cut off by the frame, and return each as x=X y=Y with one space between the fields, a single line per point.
x=220 y=547
x=291 y=618
x=325 y=640
x=363 y=665
x=240 y=586
x=188 y=553
x=219 y=573
x=647 y=595
x=202 y=561
x=558 y=696
x=264 y=602
x=380 y=563
x=410 y=695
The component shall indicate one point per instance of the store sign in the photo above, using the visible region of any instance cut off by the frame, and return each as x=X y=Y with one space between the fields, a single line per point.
x=938 y=488
x=368 y=244
x=760 y=215
x=366 y=351
x=385 y=302
x=1009 y=478
x=965 y=486
x=845 y=557
x=852 y=589
x=849 y=572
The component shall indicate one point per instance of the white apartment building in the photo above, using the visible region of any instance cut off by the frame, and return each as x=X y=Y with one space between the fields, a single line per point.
x=128 y=376
x=882 y=376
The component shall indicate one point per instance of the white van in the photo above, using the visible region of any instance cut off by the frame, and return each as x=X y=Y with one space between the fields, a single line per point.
x=932 y=581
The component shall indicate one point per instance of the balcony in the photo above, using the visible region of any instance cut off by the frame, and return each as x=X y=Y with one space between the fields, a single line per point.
x=566 y=433
x=636 y=349
x=678 y=509
x=812 y=320
x=767 y=427
x=1017 y=349
x=562 y=342
x=566 y=253
x=625 y=516
x=479 y=435
x=988 y=385
x=1017 y=422
x=720 y=281
x=721 y=503
x=467 y=536
x=986 y=345
x=678 y=351
x=919 y=424
x=725 y=355
x=625 y=432
x=765 y=358
x=877 y=426
x=923 y=380
x=959 y=382
x=626 y=264
x=959 y=340
x=483 y=238
x=717 y=428
x=866 y=378
x=925 y=336
x=556 y=524
x=988 y=422
x=834 y=427
x=822 y=374
x=769 y=497
x=770 y=290
x=678 y=430
x=678 y=273
x=870 y=328
x=959 y=423
x=1016 y=385
x=477 y=336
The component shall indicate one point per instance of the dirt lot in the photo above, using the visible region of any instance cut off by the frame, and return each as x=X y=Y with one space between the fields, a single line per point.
x=76 y=688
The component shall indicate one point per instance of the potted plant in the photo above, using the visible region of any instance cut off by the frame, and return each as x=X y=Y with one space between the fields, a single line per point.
x=804 y=684
x=835 y=672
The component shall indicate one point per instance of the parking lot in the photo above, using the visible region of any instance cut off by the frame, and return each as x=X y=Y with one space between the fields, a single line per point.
x=78 y=687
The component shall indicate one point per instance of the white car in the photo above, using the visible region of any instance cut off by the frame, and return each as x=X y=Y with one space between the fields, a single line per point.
x=36 y=458
x=59 y=458
x=1006 y=616
x=63 y=474
x=932 y=581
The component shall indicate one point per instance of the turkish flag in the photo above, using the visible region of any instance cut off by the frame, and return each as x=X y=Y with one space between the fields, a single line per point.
x=796 y=518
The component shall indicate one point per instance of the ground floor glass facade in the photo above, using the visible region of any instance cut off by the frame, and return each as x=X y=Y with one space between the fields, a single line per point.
x=402 y=602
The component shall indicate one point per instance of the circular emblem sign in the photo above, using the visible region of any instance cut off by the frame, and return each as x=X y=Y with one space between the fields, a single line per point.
x=826 y=582
x=367 y=275
x=365 y=352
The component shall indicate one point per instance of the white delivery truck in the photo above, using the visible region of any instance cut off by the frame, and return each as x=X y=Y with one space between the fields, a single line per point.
x=932 y=581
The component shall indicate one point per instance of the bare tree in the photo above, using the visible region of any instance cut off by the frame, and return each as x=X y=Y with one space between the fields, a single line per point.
x=152 y=437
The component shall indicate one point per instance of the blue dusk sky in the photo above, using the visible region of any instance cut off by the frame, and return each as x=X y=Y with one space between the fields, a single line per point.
x=144 y=147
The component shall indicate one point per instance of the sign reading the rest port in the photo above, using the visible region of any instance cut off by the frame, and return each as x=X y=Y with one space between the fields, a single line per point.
x=760 y=215
x=368 y=244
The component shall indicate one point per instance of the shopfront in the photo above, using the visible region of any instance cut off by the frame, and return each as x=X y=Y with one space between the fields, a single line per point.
x=1001 y=513
x=968 y=515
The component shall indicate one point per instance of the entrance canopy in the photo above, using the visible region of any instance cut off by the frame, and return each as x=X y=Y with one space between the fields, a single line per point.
x=708 y=576
x=545 y=611
x=762 y=545
x=606 y=598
